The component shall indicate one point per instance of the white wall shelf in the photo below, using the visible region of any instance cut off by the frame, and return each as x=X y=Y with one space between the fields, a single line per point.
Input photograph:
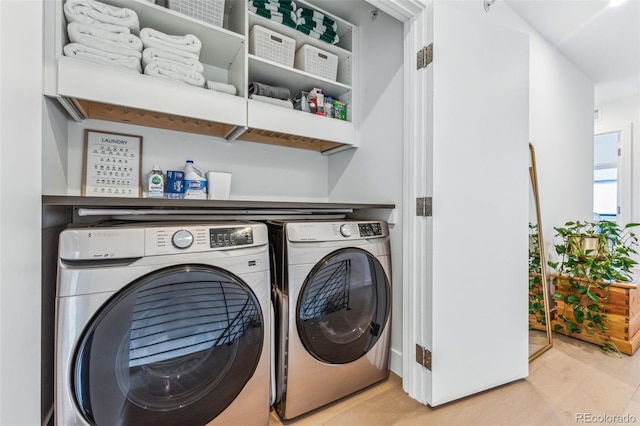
x=219 y=45
x=138 y=91
x=265 y=71
x=89 y=90
x=300 y=129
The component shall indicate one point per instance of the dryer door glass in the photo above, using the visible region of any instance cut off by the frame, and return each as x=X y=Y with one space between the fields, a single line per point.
x=343 y=306
x=175 y=347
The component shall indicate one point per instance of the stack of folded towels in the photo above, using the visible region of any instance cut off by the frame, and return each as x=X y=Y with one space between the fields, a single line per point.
x=172 y=57
x=317 y=25
x=274 y=95
x=281 y=11
x=103 y=34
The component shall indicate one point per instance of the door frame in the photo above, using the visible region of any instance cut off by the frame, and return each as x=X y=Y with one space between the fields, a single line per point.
x=416 y=164
x=417 y=34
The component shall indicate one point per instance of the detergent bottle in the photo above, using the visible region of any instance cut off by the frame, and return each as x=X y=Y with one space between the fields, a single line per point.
x=155 y=182
x=195 y=182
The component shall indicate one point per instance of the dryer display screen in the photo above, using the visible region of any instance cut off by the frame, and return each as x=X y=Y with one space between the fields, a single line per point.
x=228 y=237
x=369 y=229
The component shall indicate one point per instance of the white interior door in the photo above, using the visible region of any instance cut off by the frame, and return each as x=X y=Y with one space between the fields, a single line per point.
x=467 y=148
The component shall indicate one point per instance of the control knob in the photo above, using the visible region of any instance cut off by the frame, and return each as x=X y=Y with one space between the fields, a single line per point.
x=182 y=239
x=345 y=230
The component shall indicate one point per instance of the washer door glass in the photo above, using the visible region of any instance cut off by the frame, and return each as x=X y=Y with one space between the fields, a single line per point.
x=176 y=347
x=343 y=306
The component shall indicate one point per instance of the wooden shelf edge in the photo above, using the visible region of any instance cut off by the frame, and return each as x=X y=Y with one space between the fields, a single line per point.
x=288 y=140
x=123 y=114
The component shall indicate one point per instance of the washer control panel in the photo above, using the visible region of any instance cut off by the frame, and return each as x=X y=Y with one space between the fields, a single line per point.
x=161 y=240
x=200 y=238
x=141 y=239
x=231 y=237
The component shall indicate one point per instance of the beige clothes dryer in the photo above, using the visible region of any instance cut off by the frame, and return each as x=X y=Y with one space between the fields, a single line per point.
x=332 y=295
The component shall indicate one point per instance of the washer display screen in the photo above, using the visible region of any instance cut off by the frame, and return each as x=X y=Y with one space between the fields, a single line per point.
x=231 y=237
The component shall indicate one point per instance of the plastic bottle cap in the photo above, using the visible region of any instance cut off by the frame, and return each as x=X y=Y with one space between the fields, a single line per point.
x=190 y=161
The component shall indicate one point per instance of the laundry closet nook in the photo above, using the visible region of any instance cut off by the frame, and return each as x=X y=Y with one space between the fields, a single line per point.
x=351 y=183
x=285 y=164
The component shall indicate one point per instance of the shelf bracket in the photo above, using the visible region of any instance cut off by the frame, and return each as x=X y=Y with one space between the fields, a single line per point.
x=72 y=108
x=235 y=133
x=337 y=149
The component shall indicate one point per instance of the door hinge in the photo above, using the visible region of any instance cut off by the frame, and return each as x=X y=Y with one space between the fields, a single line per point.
x=425 y=56
x=423 y=356
x=423 y=206
x=619 y=152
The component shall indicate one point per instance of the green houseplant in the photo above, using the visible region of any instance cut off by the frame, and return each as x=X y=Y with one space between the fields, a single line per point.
x=592 y=255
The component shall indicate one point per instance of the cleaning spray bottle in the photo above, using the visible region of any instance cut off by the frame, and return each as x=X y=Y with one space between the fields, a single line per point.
x=195 y=182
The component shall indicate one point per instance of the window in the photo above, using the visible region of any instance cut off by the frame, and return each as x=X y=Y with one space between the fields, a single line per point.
x=605 y=176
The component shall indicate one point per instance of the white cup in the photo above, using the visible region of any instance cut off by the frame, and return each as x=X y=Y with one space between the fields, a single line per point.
x=219 y=185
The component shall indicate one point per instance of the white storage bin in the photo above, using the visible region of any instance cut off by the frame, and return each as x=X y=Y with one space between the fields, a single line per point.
x=211 y=11
x=317 y=62
x=271 y=45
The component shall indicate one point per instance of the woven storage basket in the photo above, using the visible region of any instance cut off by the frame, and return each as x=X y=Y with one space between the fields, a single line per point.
x=271 y=45
x=211 y=11
x=317 y=62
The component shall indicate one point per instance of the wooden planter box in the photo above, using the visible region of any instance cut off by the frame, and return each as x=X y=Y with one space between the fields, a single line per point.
x=622 y=310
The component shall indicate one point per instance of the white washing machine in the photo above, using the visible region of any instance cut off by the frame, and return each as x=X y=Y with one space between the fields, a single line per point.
x=332 y=296
x=163 y=324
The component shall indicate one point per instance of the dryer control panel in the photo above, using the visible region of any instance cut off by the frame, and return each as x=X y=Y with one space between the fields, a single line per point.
x=336 y=231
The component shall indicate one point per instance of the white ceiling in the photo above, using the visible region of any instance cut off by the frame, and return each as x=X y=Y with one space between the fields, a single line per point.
x=602 y=41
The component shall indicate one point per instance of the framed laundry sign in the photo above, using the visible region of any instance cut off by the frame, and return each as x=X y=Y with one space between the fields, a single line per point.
x=112 y=164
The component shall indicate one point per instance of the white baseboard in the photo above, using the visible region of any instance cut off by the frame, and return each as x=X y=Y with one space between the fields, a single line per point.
x=395 y=362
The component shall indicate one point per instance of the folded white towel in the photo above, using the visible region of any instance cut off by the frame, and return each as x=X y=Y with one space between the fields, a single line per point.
x=98 y=38
x=80 y=51
x=216 y=86
x=187 y=45
x=273 y=101
x=92 y=11
x=152 y=54
x=172 y=71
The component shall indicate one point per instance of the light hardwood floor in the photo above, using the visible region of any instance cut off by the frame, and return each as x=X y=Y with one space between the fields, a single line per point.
x=572 y=378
